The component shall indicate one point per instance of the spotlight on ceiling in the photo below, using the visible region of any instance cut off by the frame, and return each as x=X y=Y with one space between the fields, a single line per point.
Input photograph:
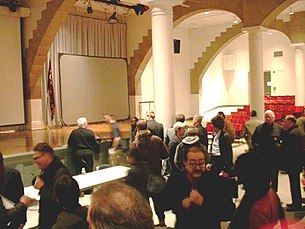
x=140 y=8
x=12 y=5
x=112 y=19
x=89 y=8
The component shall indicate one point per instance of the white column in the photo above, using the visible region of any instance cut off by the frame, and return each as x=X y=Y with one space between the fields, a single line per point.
x=256 y=70
x=299 y=74
x=162 y=54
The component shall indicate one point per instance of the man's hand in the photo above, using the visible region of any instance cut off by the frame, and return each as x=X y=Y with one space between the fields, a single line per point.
x=26 y=200
x=186 y=203
x=196 y=197
x=38 y=183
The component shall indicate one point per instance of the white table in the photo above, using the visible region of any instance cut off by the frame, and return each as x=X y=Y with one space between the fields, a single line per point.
x=85 y=182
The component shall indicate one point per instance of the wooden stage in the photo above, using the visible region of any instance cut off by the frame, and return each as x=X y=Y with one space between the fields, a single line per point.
x=16 y=142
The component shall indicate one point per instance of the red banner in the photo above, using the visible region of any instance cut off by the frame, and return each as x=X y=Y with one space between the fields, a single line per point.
x=51 y=91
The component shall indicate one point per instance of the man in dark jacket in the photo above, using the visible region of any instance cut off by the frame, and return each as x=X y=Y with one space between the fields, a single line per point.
x=293 y=154
x=154 y=127
x=266 y=140
x=196 y=196
x=154 y=150
x=202 y=132
x=82 y=145
x=51 y=169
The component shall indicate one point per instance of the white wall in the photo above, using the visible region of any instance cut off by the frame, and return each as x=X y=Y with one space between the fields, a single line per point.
x=282 y=68
x=220 y=87
x=200 y=38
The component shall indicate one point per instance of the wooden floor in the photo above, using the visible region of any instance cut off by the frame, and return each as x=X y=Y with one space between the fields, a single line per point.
x=23 y=141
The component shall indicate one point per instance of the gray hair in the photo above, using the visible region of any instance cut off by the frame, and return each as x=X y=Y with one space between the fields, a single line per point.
x=82 y=122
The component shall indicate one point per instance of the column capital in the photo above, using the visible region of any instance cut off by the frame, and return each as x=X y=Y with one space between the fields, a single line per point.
x=255 y=29
x=298 y=46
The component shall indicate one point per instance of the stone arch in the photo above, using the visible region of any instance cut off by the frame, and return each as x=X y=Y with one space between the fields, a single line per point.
x=47 y=27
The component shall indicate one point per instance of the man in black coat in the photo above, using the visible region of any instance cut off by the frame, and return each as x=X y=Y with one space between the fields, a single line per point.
x=202 y=132
x=266 y=140
x=51 y=169
x=82 y=145
x=154 y=127
x=293 y=154
x=196 y=196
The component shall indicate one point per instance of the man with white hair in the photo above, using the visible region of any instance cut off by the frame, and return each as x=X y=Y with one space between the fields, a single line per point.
x=266 y=140
x=82 y=145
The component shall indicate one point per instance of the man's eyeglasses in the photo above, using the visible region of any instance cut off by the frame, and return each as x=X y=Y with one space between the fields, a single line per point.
x=194 y=164
x=36 y=158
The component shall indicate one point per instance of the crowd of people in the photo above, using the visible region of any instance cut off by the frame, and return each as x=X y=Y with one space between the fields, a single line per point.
x=187 y=172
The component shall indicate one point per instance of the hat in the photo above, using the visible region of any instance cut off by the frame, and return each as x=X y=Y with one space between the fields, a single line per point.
x=178 y=125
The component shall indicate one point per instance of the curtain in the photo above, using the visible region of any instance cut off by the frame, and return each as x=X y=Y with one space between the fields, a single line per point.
x=79 y=35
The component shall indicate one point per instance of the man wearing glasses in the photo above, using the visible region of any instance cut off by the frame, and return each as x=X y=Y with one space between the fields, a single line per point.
x=51 y=169
x=195 y=196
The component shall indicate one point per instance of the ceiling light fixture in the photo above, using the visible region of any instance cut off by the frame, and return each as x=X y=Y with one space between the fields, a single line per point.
x=291 y=12
x=138 y=8
x=112 y=19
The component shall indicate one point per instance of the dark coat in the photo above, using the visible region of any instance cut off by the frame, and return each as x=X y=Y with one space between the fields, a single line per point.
x=48 y=206
x=154 y=151
x=137 y=177
x=292 y=151
x=12 y=188
x=75 y=219
x=172 y=151
x=203 y=135
x=7 y=216
x=206 y=216
x=266 y=141
x=225 y=161
x=156 y=128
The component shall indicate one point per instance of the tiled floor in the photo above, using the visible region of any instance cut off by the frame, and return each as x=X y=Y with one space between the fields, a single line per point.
x=296 y=220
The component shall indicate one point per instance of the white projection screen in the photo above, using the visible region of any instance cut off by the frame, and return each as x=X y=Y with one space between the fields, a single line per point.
x=91 y=86
x=11 y=92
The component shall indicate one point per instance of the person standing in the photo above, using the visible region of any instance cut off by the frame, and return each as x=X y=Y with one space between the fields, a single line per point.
x=260 y=207
x=82 y=144
x=293 y=155
x=221 y=149
x=195 y=196
x=249 y=128
x=179 y=128
x=11 y=187
x=154 y=127
x=266 y=140
x=228 y=126
x=51 y=169
x=115 y=153
x=133 y=129
x=154 y=150
x=170 y=133
x=202 y=132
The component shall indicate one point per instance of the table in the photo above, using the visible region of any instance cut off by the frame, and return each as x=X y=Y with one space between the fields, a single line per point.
x=85 y=182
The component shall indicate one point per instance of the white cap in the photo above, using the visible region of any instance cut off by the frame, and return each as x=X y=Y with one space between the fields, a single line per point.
x=178 y=125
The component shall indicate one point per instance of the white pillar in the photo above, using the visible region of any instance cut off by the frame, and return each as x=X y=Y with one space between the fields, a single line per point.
x=299 y=74
x=256 y=70
x=162 y=54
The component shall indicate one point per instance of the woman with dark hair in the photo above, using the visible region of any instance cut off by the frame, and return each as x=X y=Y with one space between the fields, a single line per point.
x=221 y=149
x=260 y=206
